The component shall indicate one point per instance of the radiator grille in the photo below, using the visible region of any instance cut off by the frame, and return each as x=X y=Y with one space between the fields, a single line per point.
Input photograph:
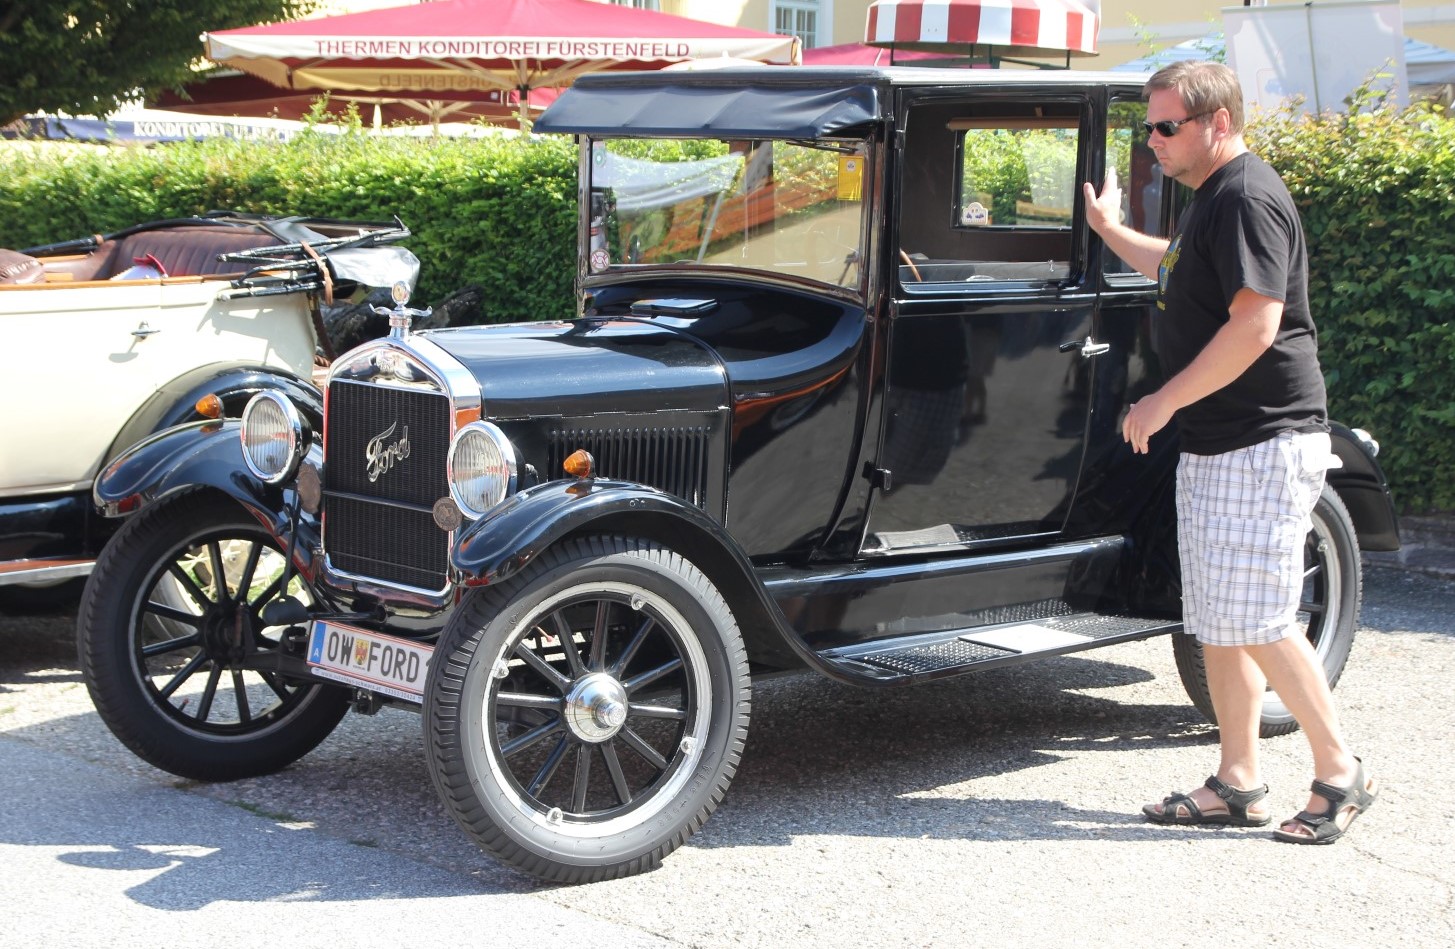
x=359 y=413
x=393 y=544
x=671 y=459
x=383 y=528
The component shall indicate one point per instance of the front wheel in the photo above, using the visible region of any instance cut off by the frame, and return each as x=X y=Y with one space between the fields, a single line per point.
x=175 y=652
x=1328 y=613
x=584 y=718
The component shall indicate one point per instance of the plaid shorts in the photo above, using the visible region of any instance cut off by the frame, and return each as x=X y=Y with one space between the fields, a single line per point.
x=1242 y=518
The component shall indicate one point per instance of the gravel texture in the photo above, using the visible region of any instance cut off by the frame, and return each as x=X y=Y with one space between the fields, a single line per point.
x=999 y=809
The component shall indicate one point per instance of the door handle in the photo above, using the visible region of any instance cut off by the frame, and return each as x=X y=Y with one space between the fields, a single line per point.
x=144 y=330
x=1088 y=346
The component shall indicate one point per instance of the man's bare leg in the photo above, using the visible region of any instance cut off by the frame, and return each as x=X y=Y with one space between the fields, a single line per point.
x=1293 y=670
x=1236 y=685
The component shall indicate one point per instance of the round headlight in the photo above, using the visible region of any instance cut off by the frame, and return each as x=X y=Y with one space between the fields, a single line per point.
x=481 y=468
x=272 y=436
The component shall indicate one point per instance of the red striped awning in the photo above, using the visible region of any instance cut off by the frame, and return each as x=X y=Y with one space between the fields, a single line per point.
x=1026 y=26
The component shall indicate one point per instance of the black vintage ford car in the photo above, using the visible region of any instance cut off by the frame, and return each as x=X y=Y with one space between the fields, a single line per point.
x=843 y=395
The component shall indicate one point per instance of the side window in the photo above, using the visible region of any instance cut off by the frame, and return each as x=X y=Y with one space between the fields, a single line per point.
x=988 y=191
x=1021 y=175
x=1141 y=179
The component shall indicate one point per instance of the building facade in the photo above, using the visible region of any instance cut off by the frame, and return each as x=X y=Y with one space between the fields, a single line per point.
x=1129 y=28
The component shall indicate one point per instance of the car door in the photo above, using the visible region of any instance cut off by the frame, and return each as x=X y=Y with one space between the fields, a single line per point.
x=93 y=353
x=988 y=370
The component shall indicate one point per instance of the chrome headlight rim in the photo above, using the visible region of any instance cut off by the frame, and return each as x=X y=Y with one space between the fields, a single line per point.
x=506 y=450
x=296 y=430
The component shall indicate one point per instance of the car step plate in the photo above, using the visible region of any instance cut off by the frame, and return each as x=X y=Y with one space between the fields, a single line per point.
x=958 y=650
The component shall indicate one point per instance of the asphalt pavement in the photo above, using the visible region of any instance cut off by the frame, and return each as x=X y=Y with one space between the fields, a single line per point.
x=999 y=809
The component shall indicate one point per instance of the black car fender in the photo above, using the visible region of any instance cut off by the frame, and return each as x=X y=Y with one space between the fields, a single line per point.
x=510 y=536
x=234 y=383
x=1362 y=487
x=193 y=455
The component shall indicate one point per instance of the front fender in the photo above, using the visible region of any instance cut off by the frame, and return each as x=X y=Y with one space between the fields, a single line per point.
x=198 y=454
x=174 y=403
x=514 y=533
x=509 y=537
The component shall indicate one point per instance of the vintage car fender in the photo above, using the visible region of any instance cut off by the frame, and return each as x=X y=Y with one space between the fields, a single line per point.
x=1363 y=489
x=175 y=403
x=204 y=454
x=511 y=535
x=507 y=538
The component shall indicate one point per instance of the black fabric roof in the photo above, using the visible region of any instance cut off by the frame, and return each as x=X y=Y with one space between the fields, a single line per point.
x=717 y=108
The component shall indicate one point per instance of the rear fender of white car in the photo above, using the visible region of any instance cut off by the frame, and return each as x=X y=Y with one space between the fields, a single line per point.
x=234 y=383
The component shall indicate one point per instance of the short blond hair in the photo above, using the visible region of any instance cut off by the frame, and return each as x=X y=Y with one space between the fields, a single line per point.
x=1204 y=87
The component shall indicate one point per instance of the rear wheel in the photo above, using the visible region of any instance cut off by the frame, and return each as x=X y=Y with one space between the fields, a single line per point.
x=584 y=718
x=1328 y=612
x=176 y=655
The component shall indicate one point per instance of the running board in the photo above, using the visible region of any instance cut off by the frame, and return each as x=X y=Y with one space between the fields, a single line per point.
x=43 y=570
x=955 y=652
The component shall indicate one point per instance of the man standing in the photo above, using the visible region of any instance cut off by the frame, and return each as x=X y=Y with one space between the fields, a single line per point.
x=1236 y=338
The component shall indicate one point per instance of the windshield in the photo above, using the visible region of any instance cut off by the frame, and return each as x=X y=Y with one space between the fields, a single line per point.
x=784 y=207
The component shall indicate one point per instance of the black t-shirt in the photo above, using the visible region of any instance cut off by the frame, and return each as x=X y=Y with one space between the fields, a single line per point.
x=1241 y=231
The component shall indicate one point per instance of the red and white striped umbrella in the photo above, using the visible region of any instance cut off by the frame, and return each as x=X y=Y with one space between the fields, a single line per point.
x=1019 y=27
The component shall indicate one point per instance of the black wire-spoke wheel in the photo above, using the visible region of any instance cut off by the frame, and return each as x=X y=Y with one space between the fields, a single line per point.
x=1328 y=612
x=176 y=654
x=584 y=718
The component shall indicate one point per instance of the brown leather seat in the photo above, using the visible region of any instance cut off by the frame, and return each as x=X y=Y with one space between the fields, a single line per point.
x=189 y=251
x=18 y=268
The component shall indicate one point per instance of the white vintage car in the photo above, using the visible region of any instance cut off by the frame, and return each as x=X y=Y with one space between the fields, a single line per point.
x=111 y=338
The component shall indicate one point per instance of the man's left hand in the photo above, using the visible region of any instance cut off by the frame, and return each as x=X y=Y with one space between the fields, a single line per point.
x=1144 y=419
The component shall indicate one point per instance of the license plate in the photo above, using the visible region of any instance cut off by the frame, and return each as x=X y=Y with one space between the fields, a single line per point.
x=369 y=660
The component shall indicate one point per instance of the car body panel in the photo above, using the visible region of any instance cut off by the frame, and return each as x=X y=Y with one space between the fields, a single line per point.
x=124 y=342
x=142 y=324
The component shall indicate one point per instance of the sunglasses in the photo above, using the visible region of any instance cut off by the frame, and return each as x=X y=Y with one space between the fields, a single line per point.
x=1168 y=127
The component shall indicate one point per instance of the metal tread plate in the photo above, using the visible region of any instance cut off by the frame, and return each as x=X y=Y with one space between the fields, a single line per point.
x=917 y=660
x=962 y=648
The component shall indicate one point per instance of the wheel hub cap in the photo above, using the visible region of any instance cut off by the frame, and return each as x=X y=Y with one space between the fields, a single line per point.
x=226 y=633
x=596 y=707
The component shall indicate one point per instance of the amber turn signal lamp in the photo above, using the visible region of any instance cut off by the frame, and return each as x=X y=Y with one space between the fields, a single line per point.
x=209 y=406
x=580 y=464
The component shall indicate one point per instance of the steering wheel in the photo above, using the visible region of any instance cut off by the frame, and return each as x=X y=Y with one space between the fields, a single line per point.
x=910 y=264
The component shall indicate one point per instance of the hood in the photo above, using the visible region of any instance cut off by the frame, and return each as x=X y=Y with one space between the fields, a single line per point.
x=586 y=367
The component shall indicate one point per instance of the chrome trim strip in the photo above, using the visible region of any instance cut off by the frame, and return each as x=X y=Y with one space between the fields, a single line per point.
x=433 y=600
x=42 y=574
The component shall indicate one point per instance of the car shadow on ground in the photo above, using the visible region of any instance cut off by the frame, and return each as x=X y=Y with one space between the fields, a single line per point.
x=828 y=759
x=821 y=759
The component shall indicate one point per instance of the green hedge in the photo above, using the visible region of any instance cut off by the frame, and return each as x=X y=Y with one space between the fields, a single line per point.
x=498 y=213
x=1374 y=188
x=1375 y=192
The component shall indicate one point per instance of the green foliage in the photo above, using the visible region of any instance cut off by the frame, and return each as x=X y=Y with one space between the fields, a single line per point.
x=1020 y=169
x=1373 y=186
x=493 y=212
x=89 y=57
